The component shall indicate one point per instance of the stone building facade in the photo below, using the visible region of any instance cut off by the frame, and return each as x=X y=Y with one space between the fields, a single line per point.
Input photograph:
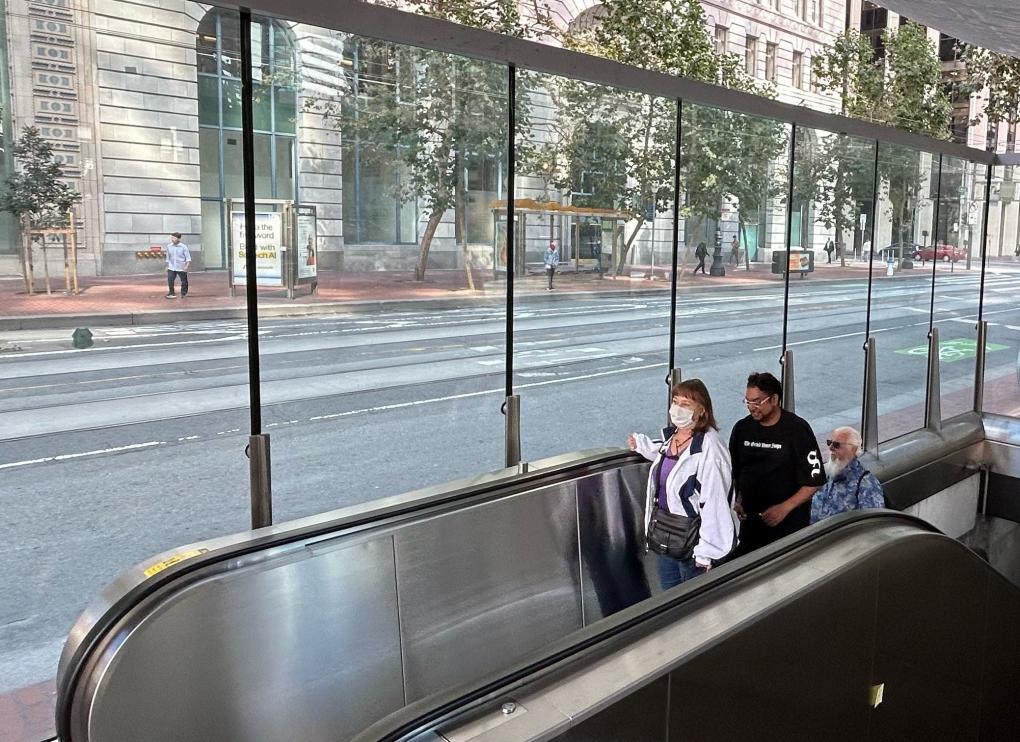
x=140 y=101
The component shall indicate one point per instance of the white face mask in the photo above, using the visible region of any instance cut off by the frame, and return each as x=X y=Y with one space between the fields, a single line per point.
x=681 y=417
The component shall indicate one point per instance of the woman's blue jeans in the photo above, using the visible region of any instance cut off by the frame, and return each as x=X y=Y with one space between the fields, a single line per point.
x=674 y=571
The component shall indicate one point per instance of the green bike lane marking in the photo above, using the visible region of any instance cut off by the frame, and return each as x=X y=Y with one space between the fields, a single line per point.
x=957 y=349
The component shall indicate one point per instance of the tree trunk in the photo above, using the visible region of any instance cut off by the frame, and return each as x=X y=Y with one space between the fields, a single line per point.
x=27 y=271
x=628 y=243
x=426 y=243
x=46 y=266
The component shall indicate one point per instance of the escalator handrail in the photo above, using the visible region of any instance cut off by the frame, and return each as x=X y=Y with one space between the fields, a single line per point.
x=393 y=511
x=436 y=709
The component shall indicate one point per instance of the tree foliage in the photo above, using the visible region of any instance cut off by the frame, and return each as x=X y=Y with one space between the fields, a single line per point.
x=724 y=154
x=905 y=91
x=999 y=74
x=35 y=193
x=428 y=114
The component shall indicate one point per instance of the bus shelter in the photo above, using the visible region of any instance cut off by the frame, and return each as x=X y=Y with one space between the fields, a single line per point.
x=586 y=238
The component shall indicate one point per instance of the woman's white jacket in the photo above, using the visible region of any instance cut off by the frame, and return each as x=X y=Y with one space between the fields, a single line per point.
x=702 y=474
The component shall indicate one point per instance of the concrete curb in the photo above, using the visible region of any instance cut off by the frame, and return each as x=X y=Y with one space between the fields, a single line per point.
x=165 y=316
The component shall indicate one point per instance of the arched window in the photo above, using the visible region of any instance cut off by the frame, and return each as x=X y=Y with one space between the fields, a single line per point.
x=274 y=67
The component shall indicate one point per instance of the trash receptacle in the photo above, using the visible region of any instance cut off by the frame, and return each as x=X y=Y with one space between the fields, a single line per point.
x=890 y=266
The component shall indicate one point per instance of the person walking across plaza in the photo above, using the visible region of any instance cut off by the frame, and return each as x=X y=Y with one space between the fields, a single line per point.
x=178 y=260
x=830 y=247
x=777 y=467
x=701 y=252
x=552 y=260
x=850 y=486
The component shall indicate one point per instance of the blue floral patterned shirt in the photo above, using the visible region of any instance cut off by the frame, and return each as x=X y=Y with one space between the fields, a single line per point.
x=841 y=492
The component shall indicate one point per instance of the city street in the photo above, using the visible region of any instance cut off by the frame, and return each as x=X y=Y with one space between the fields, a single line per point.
x=135 y=446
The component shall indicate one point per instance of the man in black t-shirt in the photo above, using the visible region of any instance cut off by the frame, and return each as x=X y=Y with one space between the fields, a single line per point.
x=776 y=466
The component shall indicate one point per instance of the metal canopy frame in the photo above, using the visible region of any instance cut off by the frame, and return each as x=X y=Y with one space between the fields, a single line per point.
x=396 y=26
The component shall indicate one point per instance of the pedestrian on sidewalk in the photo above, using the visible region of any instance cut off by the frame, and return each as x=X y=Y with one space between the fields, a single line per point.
x=700 y=252
x=735 y=251
x=178 y=260
x=551 y=259
x=829 y=247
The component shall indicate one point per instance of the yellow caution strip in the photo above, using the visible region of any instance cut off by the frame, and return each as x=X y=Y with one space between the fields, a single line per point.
x=158 y=567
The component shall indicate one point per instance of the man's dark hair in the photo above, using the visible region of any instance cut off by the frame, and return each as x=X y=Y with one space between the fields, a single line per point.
x=175 y=234
x=766 y=383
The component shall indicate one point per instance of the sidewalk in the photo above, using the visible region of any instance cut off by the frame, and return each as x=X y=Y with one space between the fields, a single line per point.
x=139 y=299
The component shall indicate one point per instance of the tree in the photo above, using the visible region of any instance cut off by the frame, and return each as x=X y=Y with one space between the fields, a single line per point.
x=35 y=195
x=999 y=74
x=668 y=37
x=427 y=114
x=904 y=91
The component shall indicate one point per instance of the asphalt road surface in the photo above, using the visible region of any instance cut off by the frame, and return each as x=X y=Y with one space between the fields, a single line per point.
x=115 y=453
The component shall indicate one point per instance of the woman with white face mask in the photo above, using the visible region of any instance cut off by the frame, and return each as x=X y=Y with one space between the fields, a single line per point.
x=689 y=519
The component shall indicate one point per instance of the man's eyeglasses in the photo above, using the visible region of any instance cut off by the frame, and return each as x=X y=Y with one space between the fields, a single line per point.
x=834 y=445
x=756 y=402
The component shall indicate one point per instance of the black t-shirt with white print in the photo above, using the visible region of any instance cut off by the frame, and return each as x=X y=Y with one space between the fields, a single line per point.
x=770 y=463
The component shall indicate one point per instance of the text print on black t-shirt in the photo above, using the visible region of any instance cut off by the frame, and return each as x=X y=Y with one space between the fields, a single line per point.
x=770 y=463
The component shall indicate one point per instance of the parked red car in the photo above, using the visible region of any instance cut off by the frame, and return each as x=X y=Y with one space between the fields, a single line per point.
x=943 y=252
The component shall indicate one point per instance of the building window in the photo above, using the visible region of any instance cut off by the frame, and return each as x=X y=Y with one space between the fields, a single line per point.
x=218 y=57
x=751 y=56
x=811 y=11
x=373 y=172
x=722 y=38
x=798 y=70
x=482 y=178
x=770 y=62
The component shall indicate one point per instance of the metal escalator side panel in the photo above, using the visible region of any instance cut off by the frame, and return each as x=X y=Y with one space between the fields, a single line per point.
x=792 y=653
x=295 y=602
x=430 y=713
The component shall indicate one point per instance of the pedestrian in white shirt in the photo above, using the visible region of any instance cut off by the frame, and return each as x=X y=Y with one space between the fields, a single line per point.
x=689 y=520
x=178 y=260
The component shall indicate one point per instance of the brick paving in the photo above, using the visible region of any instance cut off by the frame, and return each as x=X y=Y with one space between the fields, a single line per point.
x=134 y=298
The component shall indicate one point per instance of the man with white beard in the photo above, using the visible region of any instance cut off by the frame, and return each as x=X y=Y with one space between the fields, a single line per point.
x=850 y=486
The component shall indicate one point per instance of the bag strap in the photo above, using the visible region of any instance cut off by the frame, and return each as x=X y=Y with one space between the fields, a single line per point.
x=857 y=491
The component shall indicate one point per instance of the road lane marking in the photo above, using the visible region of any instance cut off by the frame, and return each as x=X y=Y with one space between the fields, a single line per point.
x=66 y=456
x=484 y=392
x=138 y=346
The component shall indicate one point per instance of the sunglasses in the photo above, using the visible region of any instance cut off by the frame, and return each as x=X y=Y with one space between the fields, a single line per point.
x=756 y=402
x=833 y=444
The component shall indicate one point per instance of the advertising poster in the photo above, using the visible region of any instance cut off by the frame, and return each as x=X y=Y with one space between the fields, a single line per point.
x=307 y=246
x=268 y=248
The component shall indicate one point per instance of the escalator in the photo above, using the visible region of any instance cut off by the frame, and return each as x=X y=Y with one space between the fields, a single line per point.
x=872 y=626
x=410 y=617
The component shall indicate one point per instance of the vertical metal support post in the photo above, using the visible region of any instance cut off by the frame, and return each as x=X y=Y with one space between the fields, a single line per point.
x=512 y=410
x=789 y=396
x=979 y=365
x=512 y=402
x=260 y=475
x=789 y=241
x=979 y=368
x=933 y=408
x=672 y=379
x=260 y=481
x=676 y=238
x=869 y=421
x=871 y=253
x=935 y=245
